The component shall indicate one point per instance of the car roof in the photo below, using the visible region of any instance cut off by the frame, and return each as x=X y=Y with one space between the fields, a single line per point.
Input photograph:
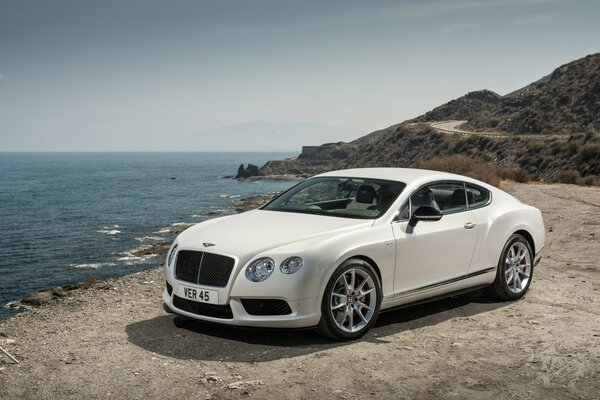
x=406 y=175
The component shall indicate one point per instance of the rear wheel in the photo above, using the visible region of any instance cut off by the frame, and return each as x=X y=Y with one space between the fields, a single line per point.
x=351 y=301
x=515 y=269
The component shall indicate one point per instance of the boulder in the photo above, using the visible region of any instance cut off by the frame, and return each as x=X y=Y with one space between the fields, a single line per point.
x=250 y=170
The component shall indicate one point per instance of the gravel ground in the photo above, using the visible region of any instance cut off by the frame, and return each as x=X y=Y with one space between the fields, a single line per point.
x=114 y=340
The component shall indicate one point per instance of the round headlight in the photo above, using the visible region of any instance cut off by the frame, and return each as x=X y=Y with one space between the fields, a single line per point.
x=291 y=265
x=171 y=255
x=260 y=269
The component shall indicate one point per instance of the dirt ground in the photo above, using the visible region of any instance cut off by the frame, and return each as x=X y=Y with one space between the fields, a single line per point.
x=114 y=341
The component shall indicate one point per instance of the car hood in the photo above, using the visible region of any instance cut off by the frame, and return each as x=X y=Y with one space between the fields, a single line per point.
x=250 y=233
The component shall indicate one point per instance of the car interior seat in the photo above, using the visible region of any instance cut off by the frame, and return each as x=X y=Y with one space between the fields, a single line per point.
x=423 y=197
x=456 y=200
x=365 y=197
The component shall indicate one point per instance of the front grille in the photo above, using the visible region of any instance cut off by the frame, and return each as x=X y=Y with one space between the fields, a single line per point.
x=169 y=288
x=208 y=310
x=266 y=307
x=203 y=268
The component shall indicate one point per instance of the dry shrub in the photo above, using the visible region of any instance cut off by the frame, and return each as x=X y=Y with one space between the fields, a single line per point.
x=591 y=180
x=463 y=165
x=514 y=174
x=89 y=282
x=568 y=176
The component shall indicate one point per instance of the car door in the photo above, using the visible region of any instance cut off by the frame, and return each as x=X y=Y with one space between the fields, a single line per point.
x=434 y=252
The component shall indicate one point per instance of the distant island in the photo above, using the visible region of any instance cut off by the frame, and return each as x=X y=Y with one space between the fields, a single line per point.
x=548 y=131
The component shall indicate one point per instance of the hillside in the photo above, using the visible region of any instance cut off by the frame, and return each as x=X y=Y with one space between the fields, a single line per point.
x=463 y=108
x=566 y=102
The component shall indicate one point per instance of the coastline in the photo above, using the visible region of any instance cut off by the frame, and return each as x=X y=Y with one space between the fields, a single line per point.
x=158 y=250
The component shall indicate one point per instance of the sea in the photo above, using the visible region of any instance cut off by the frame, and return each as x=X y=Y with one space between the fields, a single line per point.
x=67 y=216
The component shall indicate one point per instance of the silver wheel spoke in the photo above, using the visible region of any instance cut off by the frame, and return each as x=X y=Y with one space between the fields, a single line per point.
x=351 y=313
x=365 y=292
x=510 y=278
x=344 y=316
x=346 y=283
x=362 y=317
x=518 y=267
x=362 y=285
x=353 y=292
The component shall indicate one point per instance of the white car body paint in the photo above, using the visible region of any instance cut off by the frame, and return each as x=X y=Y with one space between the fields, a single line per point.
x=433 y=259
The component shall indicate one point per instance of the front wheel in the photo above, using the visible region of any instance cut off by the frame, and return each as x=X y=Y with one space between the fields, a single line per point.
x=515 y=270
x=351 y=301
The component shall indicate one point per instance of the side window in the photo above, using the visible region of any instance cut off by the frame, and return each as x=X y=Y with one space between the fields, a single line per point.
x=405 y=211
x=449 y=197
x=477 y=196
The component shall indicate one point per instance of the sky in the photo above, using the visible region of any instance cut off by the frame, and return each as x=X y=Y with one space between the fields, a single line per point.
x=147 y=75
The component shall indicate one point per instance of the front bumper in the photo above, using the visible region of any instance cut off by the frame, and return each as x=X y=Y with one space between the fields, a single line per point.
x=304 y=312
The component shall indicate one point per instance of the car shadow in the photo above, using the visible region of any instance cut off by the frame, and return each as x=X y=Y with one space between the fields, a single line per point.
x=182 y=338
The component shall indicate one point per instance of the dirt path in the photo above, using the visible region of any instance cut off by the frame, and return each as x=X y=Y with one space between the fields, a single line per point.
x=114 y=341
x=452 y=128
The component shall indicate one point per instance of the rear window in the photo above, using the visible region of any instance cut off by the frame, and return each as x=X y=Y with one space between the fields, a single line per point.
x=477 y=196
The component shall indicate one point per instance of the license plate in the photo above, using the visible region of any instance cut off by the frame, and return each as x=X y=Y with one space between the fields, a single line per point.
x=198 y=294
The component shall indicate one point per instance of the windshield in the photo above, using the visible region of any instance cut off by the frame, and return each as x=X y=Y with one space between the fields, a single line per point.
x=340 y=197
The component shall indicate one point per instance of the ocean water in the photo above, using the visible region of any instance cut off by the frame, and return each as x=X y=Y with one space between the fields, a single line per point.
x=66 y=216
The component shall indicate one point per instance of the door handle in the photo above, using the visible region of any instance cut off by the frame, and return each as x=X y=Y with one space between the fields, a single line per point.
x=470 y=225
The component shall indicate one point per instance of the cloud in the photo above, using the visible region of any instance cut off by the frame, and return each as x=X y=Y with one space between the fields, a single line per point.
x=532 y=19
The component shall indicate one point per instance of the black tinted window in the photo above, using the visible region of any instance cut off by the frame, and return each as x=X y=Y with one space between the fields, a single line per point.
x=449 y=197
x=477 y=196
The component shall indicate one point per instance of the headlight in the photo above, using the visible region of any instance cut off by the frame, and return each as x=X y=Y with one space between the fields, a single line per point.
x=260 y=269
x=291 y=265
x=171 y=256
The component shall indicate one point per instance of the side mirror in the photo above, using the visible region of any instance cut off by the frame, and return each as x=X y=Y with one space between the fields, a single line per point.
x=425 y=213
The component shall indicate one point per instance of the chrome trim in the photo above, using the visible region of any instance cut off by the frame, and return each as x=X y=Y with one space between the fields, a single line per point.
x=448 y=281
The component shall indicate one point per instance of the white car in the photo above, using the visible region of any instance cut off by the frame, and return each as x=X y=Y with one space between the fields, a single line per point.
x=338 y=248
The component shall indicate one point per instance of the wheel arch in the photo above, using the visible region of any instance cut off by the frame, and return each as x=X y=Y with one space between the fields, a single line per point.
x=529 y=239
x=343 y=260
x=370 y=261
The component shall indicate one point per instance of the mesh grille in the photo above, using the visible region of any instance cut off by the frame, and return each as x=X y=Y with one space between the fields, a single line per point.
x=214 y=271
x=266 y=307
x=208 y=310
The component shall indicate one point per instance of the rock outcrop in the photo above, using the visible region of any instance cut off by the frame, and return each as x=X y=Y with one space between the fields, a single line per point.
x=250 y=171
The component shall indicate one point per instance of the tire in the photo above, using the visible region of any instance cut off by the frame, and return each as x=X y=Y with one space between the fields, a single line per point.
x=358 y=308
x=515 y=271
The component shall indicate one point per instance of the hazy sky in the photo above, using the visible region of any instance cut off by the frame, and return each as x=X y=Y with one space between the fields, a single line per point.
x=137 y=75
